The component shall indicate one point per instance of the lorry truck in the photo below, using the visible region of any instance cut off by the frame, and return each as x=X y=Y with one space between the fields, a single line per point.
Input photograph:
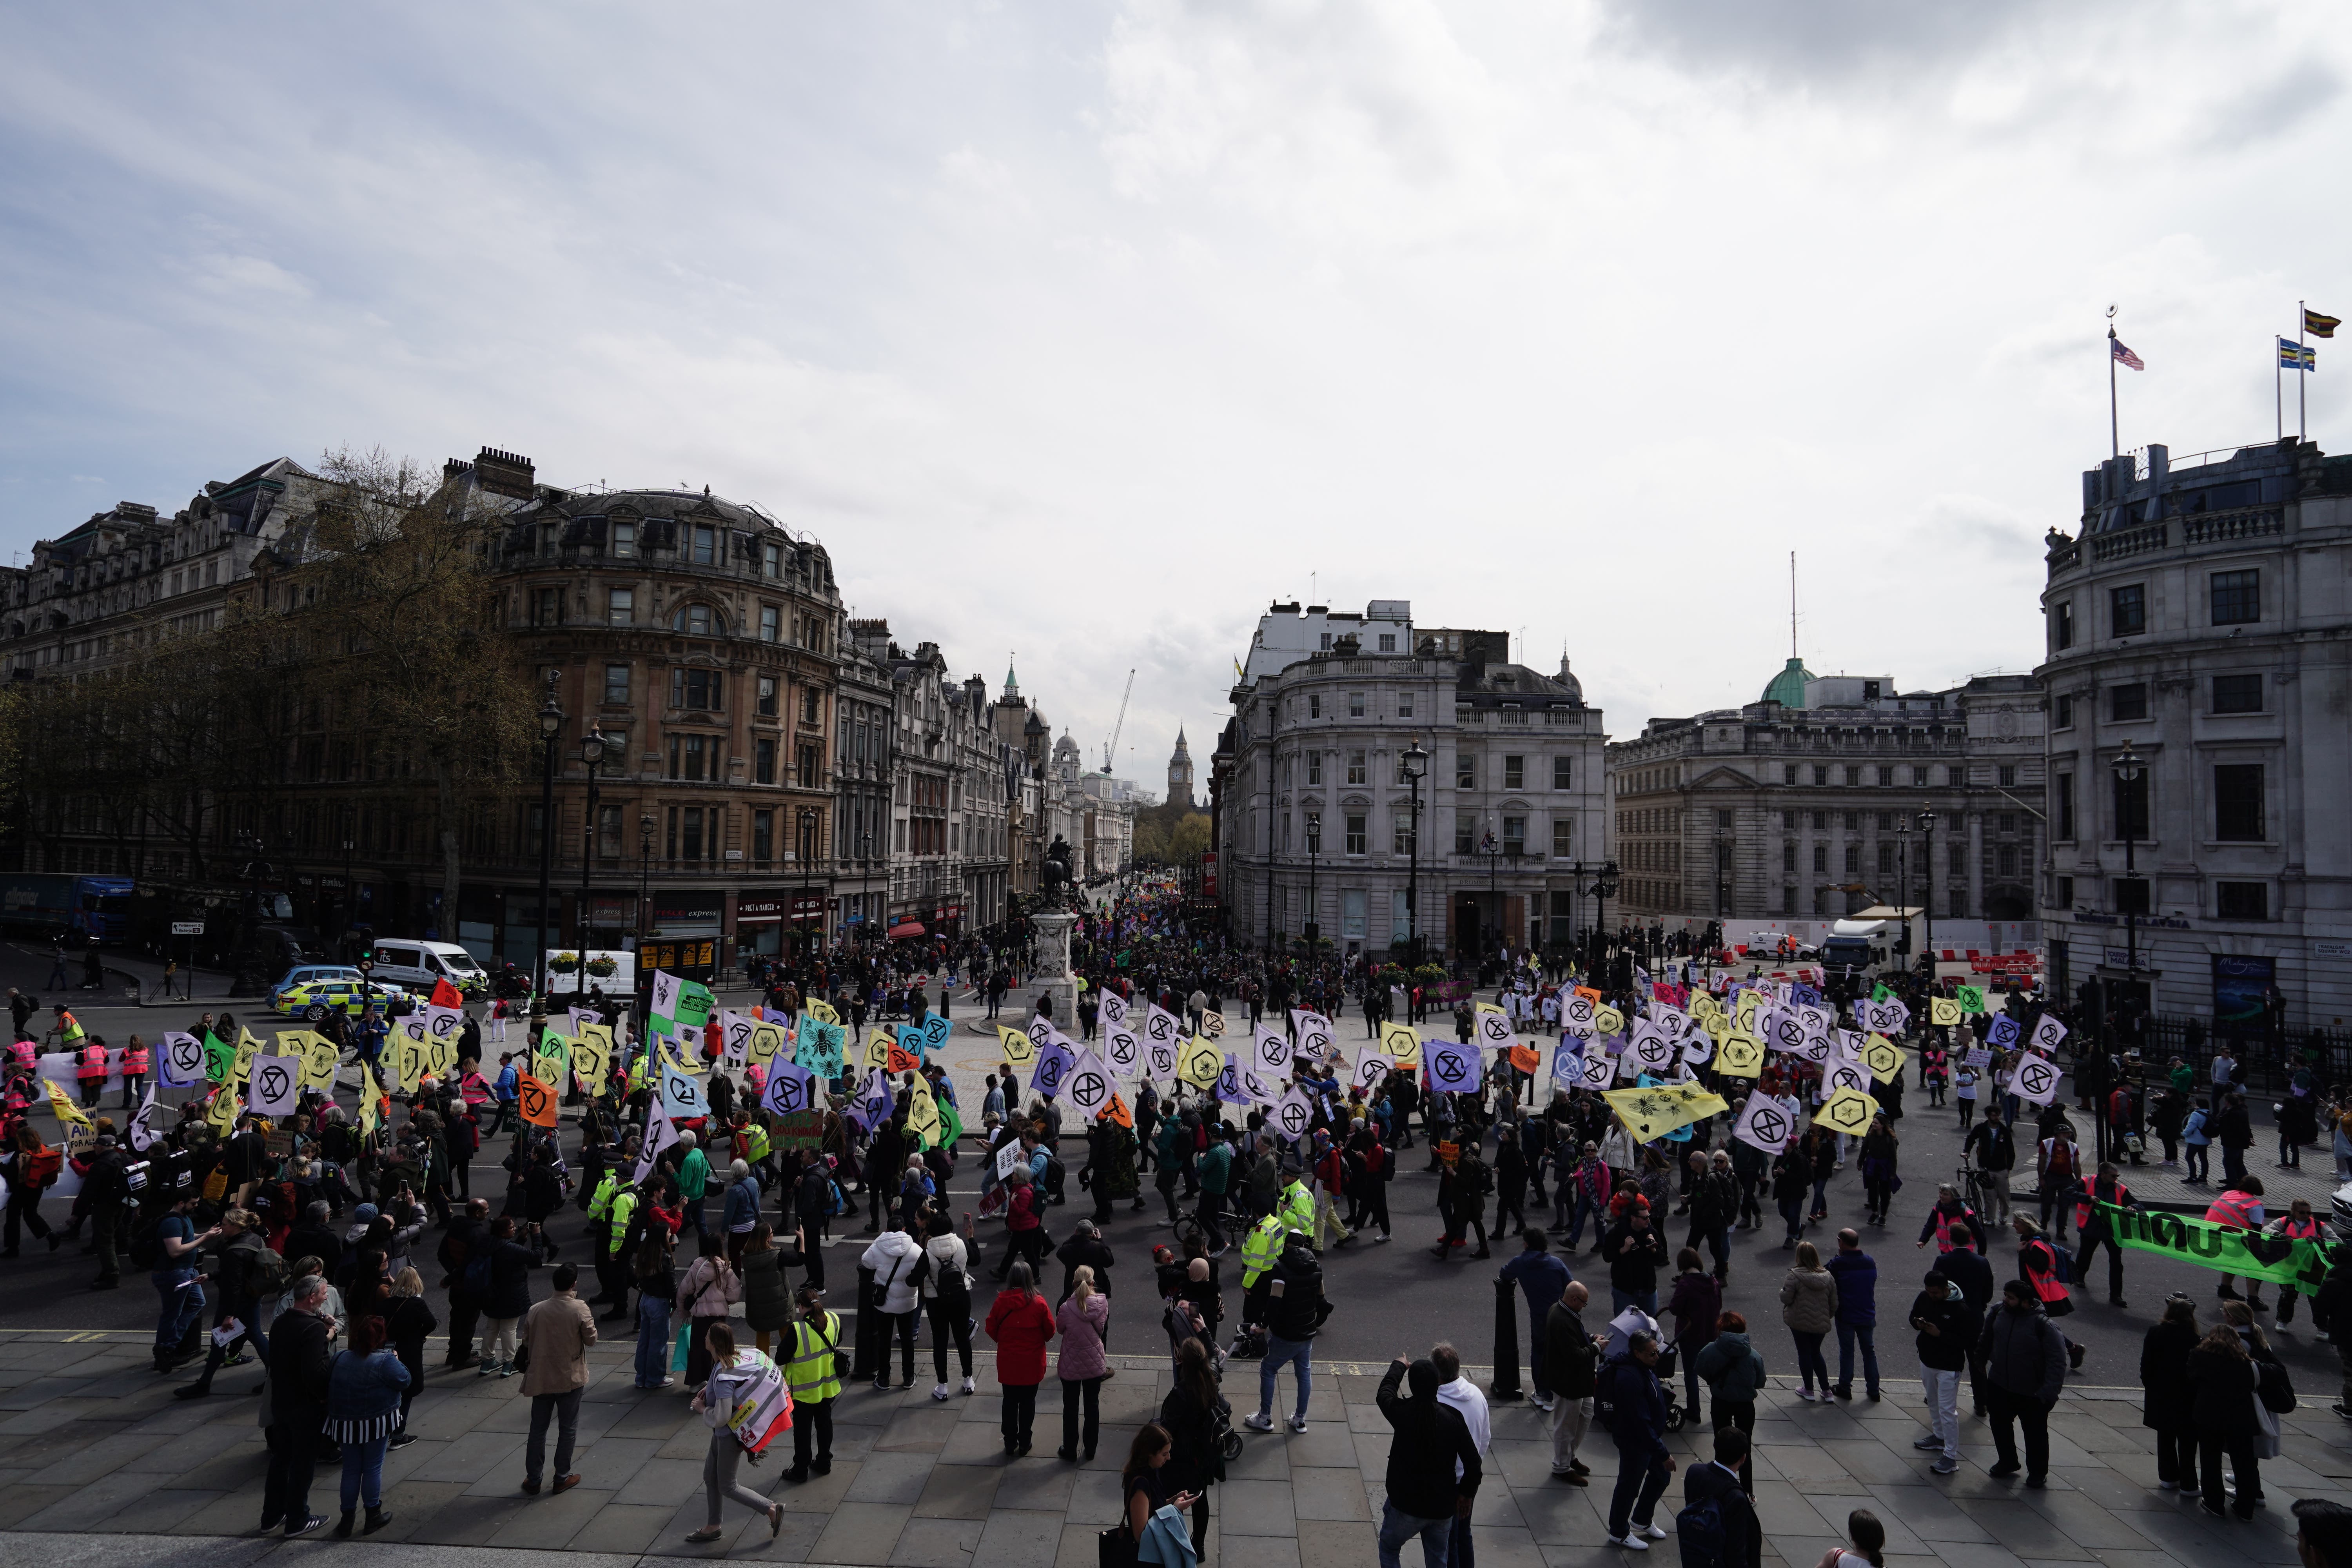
x=86 y=909
x=1874 y=941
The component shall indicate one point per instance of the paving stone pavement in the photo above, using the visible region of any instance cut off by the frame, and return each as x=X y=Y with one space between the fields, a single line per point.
x=99 y=1466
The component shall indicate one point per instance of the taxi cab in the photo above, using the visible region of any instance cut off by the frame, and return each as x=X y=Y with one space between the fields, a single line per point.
x=310 y=990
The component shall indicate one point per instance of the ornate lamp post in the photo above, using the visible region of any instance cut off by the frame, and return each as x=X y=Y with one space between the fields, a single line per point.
x=1415 y=762
x=551 y=726
x=1604 y=887
x=593 y=747
x=1928 y=889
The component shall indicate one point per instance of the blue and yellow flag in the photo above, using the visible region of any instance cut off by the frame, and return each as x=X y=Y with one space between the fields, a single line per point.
x=2294 y=355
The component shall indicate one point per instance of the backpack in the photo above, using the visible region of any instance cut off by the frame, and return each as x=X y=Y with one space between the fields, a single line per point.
x=41 y=1166
x=270 y=1272
x=2273 y=1387
x=478 y=1275
x=1604 y=1395
x=2063 y=1261
x=840 y=1199
x=1698 y=1529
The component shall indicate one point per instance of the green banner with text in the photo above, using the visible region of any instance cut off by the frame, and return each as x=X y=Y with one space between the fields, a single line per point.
x=2254 y=1254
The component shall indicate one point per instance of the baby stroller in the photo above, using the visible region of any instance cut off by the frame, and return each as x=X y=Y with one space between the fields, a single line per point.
x=1633 y=1321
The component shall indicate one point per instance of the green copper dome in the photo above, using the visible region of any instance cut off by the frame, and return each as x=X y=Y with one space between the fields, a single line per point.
x=1787 y=687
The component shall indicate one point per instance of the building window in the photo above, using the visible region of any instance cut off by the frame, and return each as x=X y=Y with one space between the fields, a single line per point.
x=2009 y=776
x=2242 y=901
x=1959 y=906
x=1886 y=778
x=1955 y=860
x=771 y=560
x=2065 y=897
x=692 y=619
x=616 y=685
x=771 y=623
x=2237 y=694
x=763 y=761
x=1886 y=860
x=1355 y=705
x=1314 y=767
x=1404 y=704
x=1388 y=642
x=1325 y=646
x=1820 y=776
x=624 y=539
x=2237 y=598
x=2005 y=858
x=2064 y=718
x=694 y=757
x=620 y=607
x=1315 y=707
x=1466 y=771
x=1358 y=769
x=1788 y=773
x=1821 y=858
x=2238 y=803
x=763 y=837
x=1351 y=912
x=1514 y=836
x=2131 y=807
x=608 y=832
x=1563 y=838
x=1358 y=842
x=1788 y=901
x=2128 y=610
x=1852 y=777
x=1955 y=775
x=1515 y=773
x=1787 y=856
x=1854 y=859
x=547 y=607
x=808 y=705
x=1465 y=829
x=1919 y=777
x=703 y=549
x=2127 y=701
x=2063 y=788
x=766 y=696
x=1404 y=833
x=2061 y=624
x=1820 y=821
x=697 y=689
x=811 y=765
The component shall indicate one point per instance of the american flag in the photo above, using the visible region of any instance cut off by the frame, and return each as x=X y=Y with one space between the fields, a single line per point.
x=2115 y=347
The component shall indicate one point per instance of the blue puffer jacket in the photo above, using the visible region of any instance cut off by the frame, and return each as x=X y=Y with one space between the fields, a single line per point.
x=743 y=1205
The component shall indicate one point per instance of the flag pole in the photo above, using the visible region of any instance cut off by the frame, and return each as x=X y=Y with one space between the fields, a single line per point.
x=2114 y=436
x=2302 y=375
x=2278 y=393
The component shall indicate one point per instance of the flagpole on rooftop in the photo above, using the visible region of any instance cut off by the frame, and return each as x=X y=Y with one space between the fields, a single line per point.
x=2278 y=389
x=2303 y=377
x=2115 y=437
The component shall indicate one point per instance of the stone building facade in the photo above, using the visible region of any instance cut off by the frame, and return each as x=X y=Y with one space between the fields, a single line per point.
x=2201 y=615
x=1313 y=813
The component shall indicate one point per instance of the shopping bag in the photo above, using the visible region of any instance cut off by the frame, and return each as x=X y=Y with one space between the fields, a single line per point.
x=677 y=1346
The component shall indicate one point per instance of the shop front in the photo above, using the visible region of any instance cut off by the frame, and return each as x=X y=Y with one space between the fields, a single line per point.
x=686 y=939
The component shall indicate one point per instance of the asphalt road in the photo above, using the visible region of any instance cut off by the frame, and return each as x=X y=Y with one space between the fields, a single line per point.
x=1389 y=1299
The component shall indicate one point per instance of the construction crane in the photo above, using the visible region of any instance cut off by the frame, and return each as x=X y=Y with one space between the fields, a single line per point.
x=1111 y=745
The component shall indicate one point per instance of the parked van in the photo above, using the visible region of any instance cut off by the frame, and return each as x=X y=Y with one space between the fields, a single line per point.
x=416 y=965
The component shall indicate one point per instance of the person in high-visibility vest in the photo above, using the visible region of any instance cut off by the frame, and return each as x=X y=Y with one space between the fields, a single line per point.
x=2301 y=1224
x=813 y=1374
x=2038 y=1265
x=134 y=1072
x=67 y=1029
x=612 y=1261
x=600 y=1236
x=2240 y=1207
x=2095 y=1230
x=89 y=1067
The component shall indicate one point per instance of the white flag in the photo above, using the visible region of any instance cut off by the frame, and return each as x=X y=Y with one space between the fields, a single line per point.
x=734 y=1040
x=140 y=1135
x=1122 y=1051
x=274 y=1086
x=1088 y=1086
x=1294 y=1116
x=2047 y=1032
x=1314 y=1031
x=1370 y=1068
x=659 y=1135
x=1452 y=1068
x=1270 y=1051
x=2035 y=1080
x=1764 y=1123
x=1112 y=1008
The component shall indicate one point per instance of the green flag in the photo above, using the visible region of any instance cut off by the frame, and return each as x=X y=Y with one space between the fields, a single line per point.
x=695 y=1006
x=2257 y=1255
x=219 y=1059
x=1972 y=999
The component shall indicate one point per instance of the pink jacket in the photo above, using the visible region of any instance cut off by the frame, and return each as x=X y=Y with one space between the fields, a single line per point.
x=1082 y=1332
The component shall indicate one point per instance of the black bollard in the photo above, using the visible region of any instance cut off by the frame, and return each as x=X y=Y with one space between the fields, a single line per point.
x=863 y=1359
x=1505 y=1383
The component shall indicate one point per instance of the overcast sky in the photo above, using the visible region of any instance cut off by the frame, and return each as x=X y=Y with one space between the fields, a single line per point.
x=1087 y=330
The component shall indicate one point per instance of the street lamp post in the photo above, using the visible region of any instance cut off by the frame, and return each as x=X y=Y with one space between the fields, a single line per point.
x=1313 y=931
x=1902 y=895
x=551 y=726
x=1928 y=889
x=1492 y=848
x=1603 y=887
x=591 y=751
x=350 y=903
x=1415 y=762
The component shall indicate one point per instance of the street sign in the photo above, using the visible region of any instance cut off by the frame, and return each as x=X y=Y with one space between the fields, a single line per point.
x=187 y=928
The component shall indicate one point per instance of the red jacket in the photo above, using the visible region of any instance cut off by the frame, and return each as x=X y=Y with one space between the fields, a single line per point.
x=1019 y=1324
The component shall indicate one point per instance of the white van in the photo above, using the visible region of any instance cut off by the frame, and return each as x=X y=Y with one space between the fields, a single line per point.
x=416 y=965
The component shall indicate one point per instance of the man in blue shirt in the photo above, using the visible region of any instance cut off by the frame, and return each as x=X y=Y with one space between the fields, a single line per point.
x=1541 y=1278
x=1857 y=1313
x=508 y=1089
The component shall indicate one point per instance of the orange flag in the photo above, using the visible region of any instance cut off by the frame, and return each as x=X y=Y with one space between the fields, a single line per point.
x=1525 y=1059
x=538 y=1101
x=1117 y=1111
x=900 y=1061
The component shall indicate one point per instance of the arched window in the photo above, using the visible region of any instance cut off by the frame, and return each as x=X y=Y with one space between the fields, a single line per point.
x=696 y=620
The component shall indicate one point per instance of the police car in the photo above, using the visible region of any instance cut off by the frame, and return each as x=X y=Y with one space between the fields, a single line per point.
x=310 y=990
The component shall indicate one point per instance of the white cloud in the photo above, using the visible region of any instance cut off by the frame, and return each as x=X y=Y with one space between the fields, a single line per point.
x=1087 y=331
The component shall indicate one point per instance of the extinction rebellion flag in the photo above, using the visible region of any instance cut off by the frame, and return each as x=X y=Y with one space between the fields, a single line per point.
x=2258 y=1254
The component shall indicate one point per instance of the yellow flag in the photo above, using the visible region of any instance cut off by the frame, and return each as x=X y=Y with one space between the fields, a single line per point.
x=1740 y=1055
x=1884 y=1057
x=1849 y=1110
x=62 y=1103
x=1019 y=1048
x=1654 y=1111
x=1745 y=1012
x=593 y=1058
x=320 y=1057
x=1200 y=1062
x=408 y=1062
x=878 y=1042
x=247 y=1048
x=222 y=1111
x=923 y=1113
x=1398 y=1043
x=766 y=1040
x=369 y=1094
x=822 y=1012
x=1702 y=1005
x=1944 y=1011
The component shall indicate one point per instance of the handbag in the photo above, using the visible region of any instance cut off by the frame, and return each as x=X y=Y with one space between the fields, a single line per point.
x=1115 y=1548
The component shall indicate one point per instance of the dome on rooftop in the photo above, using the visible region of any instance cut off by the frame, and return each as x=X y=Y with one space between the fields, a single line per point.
x=1787 y=687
